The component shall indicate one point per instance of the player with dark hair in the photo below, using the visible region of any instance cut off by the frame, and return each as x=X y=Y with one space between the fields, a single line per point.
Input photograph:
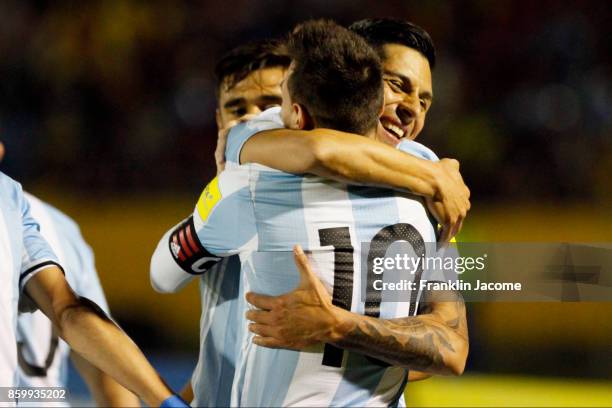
x=250 y=208
x=380 y=32
x=347 y=99
x=367 y=163
x=408 y=56
x=248 y=79
x=248 y=82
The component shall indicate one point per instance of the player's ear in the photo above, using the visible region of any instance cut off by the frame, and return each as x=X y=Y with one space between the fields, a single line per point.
x=1 y=151
x=303 y=120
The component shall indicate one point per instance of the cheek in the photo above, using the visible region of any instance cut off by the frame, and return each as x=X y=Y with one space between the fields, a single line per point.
x=224 y=117
x=418 y=125
x=390 y=96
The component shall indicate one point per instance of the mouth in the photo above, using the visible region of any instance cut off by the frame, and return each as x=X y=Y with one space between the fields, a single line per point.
x=393 y=130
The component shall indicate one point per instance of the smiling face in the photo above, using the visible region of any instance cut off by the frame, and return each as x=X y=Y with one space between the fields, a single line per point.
x=257 y=92
x=408 y=94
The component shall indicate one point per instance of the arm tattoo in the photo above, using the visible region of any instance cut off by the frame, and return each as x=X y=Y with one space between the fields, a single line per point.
x=414 y=342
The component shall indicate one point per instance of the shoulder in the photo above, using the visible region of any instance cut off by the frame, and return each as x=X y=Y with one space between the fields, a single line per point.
x=9 y=187
x=417 y=149
x=60 y=220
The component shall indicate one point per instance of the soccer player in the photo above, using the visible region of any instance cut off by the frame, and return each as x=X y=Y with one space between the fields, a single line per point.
x=289 y=208
x=42 y=356
x=33 y=278
x=443 y=182
x=408 y=56
x=248 y=82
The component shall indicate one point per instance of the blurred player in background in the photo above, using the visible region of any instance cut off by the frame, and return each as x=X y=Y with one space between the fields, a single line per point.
x=34 y=279
x=42 y=355
x=213 y=206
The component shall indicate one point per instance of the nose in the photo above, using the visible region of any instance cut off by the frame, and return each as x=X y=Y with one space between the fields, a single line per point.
x=253 y=110
x=408 y=109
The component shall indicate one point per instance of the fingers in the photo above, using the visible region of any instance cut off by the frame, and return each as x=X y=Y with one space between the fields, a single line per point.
x=260 y=316
x=231 y=124
x=301 y=260
x=458 y=229
x=263 y=330
x=445 y=234
x=244 y=118
x=269 y=342
x=453 y=163
x=220 y=150
x=222 y=143
x=263 y=302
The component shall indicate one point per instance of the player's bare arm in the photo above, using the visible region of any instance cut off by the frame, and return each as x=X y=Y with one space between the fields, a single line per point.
x=105 y=391
x=95 y=337
x=435 y=342
x=355 y=159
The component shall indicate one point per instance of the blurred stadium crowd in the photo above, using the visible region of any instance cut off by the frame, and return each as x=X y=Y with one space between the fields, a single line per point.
x=113 y=96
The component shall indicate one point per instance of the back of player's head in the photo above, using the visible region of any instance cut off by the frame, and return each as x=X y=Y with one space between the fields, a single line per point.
x=381 y=31
x=239 y=62
x=336 y=76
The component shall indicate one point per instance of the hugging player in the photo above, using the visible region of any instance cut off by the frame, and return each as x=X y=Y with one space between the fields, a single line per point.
x=170 y=262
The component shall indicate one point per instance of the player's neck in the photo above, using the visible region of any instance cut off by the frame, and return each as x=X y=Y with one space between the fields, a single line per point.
x=371 y=134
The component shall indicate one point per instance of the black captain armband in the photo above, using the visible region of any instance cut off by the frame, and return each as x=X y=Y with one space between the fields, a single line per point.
x=187 y=250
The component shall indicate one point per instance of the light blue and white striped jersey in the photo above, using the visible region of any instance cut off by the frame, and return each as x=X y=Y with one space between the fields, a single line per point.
x=260 y=213
x=43 y=357
x=221 y=315
x=221 y=306
x=23 y=253
x=222 y=310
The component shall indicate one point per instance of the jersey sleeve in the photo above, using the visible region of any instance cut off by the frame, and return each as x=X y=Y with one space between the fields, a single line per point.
x=37 y=253
x=88 y=283
x=221 y=225
x=268 y=120
x=223 y=217
x=418 y=150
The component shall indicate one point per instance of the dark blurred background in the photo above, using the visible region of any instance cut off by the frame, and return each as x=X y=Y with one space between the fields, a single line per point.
x=94 y=92
x=107 y=111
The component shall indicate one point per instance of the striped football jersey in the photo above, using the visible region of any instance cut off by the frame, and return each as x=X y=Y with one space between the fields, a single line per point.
x=180 y=256
x=23 y=253
x=42 y=356
x=260 y=213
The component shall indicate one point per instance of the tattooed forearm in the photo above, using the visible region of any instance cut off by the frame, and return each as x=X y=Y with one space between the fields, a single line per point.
x=417 y=346
x=435 y=342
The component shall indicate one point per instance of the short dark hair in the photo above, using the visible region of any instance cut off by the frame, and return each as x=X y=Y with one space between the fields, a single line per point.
x=381 y=31
x=239 y=62
x=336 y=76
